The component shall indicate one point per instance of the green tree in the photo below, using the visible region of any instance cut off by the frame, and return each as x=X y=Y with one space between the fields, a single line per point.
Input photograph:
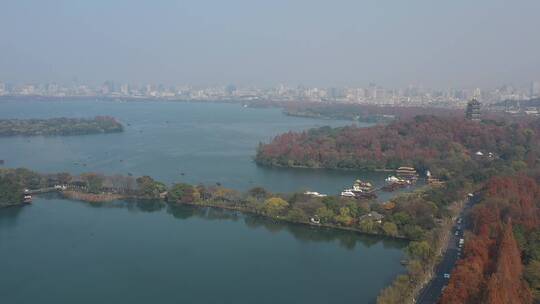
x=367 y=226
x=390 y=229
x=275 y=206
x=401 y=218
x=416 y=270
x=532 y=275
x=94 y=182
x=296 y=215
x=344 y=216
x=397 y=293
x=149 y=188
x=325 y=215
x=181 y=192
x=10 y=191
x=332 y=203
x=413 y=232
x=419 y=250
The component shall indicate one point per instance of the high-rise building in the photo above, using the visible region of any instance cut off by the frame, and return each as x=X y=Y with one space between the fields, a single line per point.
x=124 y=89
x=477 y=93
x=535 y=89
x=473 y=110
x=107 y=87
x=230 y=89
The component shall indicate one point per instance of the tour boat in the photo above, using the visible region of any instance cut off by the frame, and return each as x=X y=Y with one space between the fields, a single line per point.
x=27 y=199
x=360 y=189
x=394 y=183
x=348 y=193
x=315 y=194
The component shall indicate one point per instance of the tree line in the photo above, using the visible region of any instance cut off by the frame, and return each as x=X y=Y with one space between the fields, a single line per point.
x=422 y=142
x=59 y=126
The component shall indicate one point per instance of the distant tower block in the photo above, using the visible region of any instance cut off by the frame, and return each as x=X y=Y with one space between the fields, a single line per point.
x=473 y=110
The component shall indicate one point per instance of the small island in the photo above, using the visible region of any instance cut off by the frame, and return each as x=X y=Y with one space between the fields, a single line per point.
x=59 y=126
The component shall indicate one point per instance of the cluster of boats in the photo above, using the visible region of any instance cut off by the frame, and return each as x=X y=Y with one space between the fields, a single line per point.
x=405 y=176
x=394 y=182
x=360 y=189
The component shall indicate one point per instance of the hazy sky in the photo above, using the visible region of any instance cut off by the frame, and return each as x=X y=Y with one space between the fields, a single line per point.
x=256 y=42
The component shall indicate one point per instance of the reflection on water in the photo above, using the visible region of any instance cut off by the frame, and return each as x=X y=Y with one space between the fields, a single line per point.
x=8 y=216
x=148 y=251
x=346 y=239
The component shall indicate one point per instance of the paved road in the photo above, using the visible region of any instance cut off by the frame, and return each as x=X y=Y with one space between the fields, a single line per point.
x=431 y=293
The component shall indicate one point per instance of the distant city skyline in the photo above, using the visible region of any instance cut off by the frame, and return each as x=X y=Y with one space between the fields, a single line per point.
x=344 y=43
x=371 y=94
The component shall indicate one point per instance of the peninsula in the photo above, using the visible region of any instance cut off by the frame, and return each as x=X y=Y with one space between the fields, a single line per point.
x=494 y=161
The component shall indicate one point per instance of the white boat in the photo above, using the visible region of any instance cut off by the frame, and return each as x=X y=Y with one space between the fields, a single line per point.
x=348 y=193
x=396 y=180
x=392 y=179
x=316 y=194
x=360 y=189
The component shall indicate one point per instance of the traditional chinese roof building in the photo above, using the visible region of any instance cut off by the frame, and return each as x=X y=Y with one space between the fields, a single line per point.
x=473 y=110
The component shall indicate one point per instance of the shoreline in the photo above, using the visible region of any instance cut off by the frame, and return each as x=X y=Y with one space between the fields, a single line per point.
x=105 y=198
x=323 y=168
x=327 y=226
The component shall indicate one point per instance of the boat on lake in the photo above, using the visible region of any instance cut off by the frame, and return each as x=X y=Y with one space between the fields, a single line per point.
x=27 y=199
x=393 y=183
x=360 y=189
x=315 y=194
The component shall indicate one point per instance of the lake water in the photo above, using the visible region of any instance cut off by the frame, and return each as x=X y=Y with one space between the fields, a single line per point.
x=207 y=142
x=62 y=251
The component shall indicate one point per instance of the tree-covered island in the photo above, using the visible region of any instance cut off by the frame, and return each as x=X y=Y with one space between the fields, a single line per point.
x=59 y=126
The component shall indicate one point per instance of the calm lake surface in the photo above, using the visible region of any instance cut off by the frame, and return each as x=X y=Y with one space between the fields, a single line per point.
x=62 y=251
x=208 y=142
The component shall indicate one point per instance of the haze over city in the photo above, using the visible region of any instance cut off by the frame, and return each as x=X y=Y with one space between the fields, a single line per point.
x=265 y=43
